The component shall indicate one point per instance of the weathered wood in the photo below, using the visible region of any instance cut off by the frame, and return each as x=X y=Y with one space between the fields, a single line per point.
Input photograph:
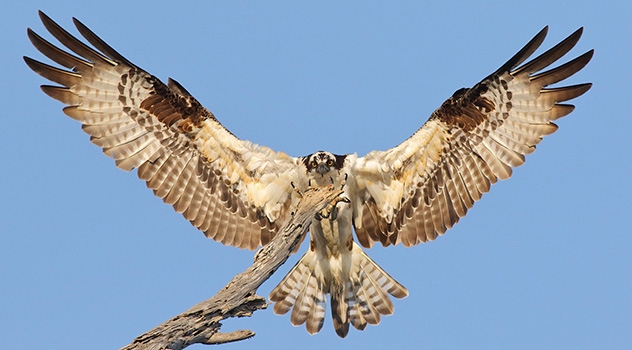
x=201 y=323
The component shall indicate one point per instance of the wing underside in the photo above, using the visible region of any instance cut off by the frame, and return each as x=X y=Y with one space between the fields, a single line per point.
x=416 y=191
x=232 y=190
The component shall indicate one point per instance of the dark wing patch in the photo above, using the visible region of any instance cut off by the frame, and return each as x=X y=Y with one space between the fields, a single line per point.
x=421 y=188
x=182 y=152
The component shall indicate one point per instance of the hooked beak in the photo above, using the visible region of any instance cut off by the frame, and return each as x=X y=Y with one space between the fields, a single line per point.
x=322 y=169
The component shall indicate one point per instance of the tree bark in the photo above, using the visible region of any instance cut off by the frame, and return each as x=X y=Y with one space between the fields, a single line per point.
x=201 y=323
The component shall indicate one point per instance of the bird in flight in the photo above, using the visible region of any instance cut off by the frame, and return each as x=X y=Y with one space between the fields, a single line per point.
x=239 y=193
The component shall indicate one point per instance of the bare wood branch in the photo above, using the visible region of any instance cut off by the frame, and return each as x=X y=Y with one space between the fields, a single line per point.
x=201 y=323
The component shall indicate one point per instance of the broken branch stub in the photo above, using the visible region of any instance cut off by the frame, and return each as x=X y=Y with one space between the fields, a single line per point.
x=201 y=323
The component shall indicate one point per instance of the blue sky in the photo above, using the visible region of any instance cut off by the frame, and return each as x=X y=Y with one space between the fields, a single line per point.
x=89 y=258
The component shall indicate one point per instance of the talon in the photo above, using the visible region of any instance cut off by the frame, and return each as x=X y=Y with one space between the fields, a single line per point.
x=320 y=215
x=297 y=190
x=344 y=182
x=334 y=213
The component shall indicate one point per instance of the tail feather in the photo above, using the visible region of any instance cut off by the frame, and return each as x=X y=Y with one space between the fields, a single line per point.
x=371 y=297
x=340 y=310
x=359 y=294
x=361 y=313
x=305 y=302
x=316 y=317
x=285 y=294
x=302 y=292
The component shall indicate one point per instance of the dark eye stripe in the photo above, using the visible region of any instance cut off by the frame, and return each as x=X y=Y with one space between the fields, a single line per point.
x=332 y=160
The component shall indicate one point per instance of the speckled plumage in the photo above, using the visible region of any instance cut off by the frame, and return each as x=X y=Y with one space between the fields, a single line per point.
x=239 y=193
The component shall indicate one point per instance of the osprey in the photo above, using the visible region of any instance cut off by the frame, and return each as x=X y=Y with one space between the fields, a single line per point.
x=240 y=193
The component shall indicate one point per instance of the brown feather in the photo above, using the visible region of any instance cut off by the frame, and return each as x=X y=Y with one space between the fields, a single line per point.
x=143 y=123
x=480 y=134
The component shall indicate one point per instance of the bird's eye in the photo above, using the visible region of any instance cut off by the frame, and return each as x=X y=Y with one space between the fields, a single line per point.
x=314 y=164
x=330 y=162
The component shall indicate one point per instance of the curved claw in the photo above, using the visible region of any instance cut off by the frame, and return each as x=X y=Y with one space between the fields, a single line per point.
x=331 y=210
x=344 y=182
x=297 y=190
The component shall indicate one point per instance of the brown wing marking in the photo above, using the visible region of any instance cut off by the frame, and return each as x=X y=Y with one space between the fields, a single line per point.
x=475 y=138
x=143 y=123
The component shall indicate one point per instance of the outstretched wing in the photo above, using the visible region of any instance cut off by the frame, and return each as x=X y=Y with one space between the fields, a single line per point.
x=234 y=191
x=419 y=189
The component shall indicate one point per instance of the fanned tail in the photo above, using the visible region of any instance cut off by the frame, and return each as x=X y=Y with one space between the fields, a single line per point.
x=367 y=298
x=358 y=295
x=301 y=291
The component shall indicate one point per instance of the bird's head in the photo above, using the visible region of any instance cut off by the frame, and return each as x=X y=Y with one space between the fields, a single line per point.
x=324 y=167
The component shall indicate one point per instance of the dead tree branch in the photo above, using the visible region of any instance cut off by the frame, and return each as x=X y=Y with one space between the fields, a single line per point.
x=201 y=323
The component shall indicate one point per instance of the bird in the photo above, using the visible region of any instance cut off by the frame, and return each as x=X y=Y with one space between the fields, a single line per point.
x=239 y=193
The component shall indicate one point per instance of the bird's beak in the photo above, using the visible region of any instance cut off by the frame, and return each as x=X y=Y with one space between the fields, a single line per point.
x=322 y=169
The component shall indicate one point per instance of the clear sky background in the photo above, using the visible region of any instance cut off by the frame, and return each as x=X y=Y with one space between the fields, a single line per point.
x=90 y=259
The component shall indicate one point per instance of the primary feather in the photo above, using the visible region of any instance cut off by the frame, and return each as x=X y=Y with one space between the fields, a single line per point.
x=239 y=193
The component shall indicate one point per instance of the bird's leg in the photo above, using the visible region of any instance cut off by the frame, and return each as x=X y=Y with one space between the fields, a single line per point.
x=328 y=211
x=331 y=211
x=334 y=213
x=323 y=214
